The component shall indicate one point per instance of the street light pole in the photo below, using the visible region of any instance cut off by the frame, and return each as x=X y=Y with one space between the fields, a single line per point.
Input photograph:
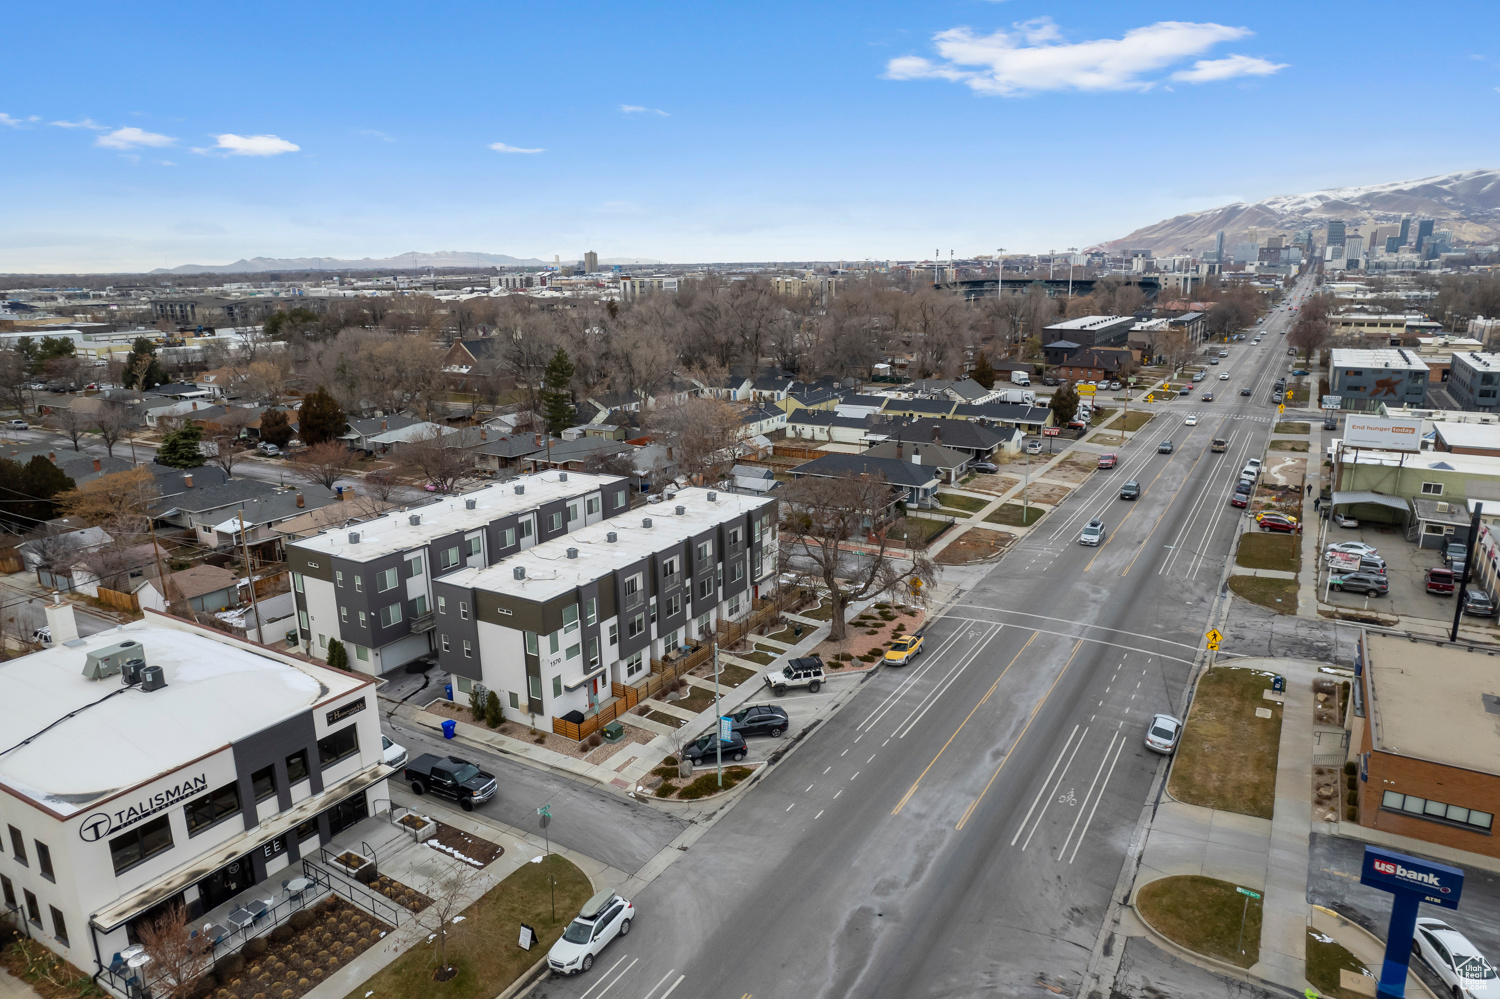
x=1071 y=250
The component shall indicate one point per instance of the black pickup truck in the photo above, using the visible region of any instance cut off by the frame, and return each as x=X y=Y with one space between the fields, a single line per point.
x=450 y=777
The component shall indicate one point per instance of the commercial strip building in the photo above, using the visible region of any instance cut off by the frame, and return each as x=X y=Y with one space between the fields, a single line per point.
x=1363 y=378
x=1091 y=331
x=552 y=628
x=1429 y=750
x=160 y=763
x=371 y=586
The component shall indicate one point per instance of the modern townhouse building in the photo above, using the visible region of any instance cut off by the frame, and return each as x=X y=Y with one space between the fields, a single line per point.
x=162 y=763
x=371 y=585
x=550 y=629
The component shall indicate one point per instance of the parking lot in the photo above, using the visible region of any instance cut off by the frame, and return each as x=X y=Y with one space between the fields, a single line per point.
x=1406 y=566
x=802 y=710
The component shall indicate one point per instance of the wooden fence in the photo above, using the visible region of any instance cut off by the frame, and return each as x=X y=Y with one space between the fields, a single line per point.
x=666 y=672
x=118 y=600
x=10 y=561
x=793 y=451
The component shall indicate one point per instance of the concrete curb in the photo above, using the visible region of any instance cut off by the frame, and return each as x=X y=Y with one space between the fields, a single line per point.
x=1193 y=957
x=1317 y=911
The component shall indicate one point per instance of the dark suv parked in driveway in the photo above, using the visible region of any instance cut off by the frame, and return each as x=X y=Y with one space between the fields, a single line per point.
x=701 y=750
x=761 y=719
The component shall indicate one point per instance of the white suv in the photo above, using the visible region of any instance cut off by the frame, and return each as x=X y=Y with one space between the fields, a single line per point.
x=1251 y=470
x=1093 y=533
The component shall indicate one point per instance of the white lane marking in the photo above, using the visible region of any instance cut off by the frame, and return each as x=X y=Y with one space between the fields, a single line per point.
x=1043 y=789
x=859 y=737
x=602 y=977
x=844 y=753
x=837 y=793
x=819 y=815
x=882 y=745
x=910 y=680
x=621 y=975
x=674 y=986
x=791 y=806
x=828 y=768
x=871 y=759
x=856 y=774
x=925 y=705
x=1056 y=788
x=1092 y=784
x=1096 y=802
x=810 y=787
x=660 y=983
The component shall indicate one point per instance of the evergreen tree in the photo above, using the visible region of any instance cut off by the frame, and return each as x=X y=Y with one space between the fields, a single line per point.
x=492 y=714
x=557 y=400
x=321 y=418
x=984 y=372
x=275 y=428
x=1064 y=404
x=338 y=656
x=27 y=491
x=476 y=703
x=142 y=370
x=179 y=449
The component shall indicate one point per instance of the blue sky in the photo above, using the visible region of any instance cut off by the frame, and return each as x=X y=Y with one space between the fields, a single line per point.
x=136 y=136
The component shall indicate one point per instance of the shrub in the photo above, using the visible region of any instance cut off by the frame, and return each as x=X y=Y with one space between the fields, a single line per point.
x=670 y=761
x=1350 y=767
x=281 y=934
x=665 y=790
x=1353 y=783
x=476 y=702
x=229 y=967
x=1353 y=798
x=256 y=947
x=492 y=715
x=595 y=740
x=1351 y=814
x=300 y=920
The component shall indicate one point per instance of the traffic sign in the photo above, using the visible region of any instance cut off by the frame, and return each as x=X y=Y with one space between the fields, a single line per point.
x=916 y=584
x=1247 y=891
x=1212 y=646
x=1151 y=398
x=1085 y=389
x=1214 y=635
x=1281 y=408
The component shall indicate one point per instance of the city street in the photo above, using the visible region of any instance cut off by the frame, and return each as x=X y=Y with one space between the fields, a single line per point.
x=887 y=854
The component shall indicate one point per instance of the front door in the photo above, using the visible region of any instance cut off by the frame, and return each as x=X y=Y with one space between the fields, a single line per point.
x=225 y=883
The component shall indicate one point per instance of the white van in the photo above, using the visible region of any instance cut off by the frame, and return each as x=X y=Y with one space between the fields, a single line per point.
x=1020 y=378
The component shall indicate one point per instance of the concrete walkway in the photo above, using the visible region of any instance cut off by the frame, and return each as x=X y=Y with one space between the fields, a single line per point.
x=12 y=987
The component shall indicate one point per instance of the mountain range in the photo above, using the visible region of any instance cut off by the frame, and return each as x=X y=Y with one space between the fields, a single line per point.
x=400 y=262
x=1467 y=203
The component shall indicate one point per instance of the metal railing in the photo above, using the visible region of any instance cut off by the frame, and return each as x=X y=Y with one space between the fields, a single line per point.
x=352 y=892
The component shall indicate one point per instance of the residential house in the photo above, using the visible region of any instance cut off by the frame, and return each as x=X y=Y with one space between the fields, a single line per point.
x=771 y=388
x=950 y=464
x=1093 y=365
x=261 y=517
x=220 y=382
x=920 y=408
x=977 y=440
x=504 y=455
x=207 y=588
x=468 y=363
x=352 y=509
x=860 y=405
x=1030 y=419
x=759 y=421
x=199 y=508
x=820 y=425
x=752 y=479
x=730 y=388
x=55 y=556
x=912 y=483
x=574 y=455
x=361 y=430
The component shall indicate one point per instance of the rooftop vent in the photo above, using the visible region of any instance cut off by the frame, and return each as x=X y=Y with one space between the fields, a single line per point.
x=681 y=509
x=520 y=488
x=713 y=497
x=562 y=476
x=611 y=537
x=354 y=537
x=109 y=660
x=645 y=521
x=572 y=553
x=470 y=504
x=519 y=572
x=152 y=678
x=414 y=519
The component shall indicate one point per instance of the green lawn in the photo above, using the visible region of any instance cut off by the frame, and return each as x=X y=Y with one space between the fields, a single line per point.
x=923 y=529
x=1226 y=758
x=1280 y=595
x=1259 y=550
x=972 y=504
x=1204 y=915
x=1011 y=514
x=484 y=946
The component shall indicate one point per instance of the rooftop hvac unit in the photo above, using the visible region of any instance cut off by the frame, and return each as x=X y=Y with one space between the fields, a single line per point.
x=520 y=488
x=562 y=476
x=354 y=537
x=414 y=519
x=130 y=671
x=470 y=504
x=611 y=537
x=152 y=678
x=713 y=497
x=645 y=521
x=110 y=660
x=572 y=553
x=519 y=572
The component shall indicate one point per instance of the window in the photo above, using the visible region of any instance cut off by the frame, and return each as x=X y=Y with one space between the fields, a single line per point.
x=387 y=580
x=515 y=700
x=706 y=588
x=734 y=605
x=632 y=588
x=362 y=653
x=572 y=511
x=302 y=620
x=703 y=623
x=1435 y=529
x=338 y=746
x=468 y=651
x=554 y=521
x=591 y=611
x=463 y=610
x=305 y=829
x=442 y=605
x=473 y=545
x=1436 y=810
x=390 y=615
x=570 y=619
x=614 y=634
x=592 y=505
x=363 y=620
x=734 y=536
x=669 y=569
x=296 y=766
x=531 y=643
x=574 y=651
x=445 y=643
x=619 y=498
x=1432 y=489
x=414 y=566
x=297 y=581
x=44 y=860
x=448 y=558
x=557 y=686
x=552 y=643
x=637 y=625
x=705 y=551
x=534 y=685
x=420 y=604
x=674 y=605
x=359 y=584
x=593 y=652
x=10 y=891
x=33 y=911
x=263 y=783
x=737 y=572
x=212 y=808
x=338 y=577
x=18 y=845
x=634 y=665
x=344 y=615
x=141 y=843
x=508 y=537
x=525 y=527
x=669 y=641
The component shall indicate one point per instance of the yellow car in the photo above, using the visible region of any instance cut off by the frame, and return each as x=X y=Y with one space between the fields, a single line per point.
x=1262 y=513
x=904 y=650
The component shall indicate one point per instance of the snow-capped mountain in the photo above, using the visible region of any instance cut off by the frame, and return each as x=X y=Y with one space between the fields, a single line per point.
x=1466 y=202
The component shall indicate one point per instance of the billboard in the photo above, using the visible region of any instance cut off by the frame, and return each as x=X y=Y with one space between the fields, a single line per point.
x=1437 y=884
x=1387 y=435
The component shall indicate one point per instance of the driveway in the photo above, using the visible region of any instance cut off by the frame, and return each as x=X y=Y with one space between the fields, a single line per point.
x=1406 y=566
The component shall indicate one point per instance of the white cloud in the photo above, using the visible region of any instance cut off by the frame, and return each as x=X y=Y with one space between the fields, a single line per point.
x=6 y=119
x=637 y=109
x=1211 y=70
x=1035 y=57
x=250 y=145
x=376 y=133
x=85 y=123
x=131 y=137
x=501 y=147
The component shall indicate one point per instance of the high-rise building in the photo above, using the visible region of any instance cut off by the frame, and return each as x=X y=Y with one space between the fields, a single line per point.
x=1405 y=230
x=1219 y=247
x=1424 y=229
x=1336 y=233
x=591 y=262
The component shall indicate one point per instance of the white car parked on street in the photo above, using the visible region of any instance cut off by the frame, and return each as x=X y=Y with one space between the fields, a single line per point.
x=603 y=917
x=1457 y=961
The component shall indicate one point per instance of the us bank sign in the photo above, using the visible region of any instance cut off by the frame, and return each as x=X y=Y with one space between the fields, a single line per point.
x=101 y=824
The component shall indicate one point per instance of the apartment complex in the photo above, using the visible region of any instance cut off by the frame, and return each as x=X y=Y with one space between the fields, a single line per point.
x=1474 y=380
x=1395 y=376
x=552 y=627
x=371 y=586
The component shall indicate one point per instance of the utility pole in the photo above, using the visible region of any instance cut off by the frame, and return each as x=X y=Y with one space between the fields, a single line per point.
x=1463 y=581
x=249 y=574
x=1071 y=250
x=999 y=272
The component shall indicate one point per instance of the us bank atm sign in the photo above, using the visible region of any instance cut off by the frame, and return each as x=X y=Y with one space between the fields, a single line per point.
x=1438 y=884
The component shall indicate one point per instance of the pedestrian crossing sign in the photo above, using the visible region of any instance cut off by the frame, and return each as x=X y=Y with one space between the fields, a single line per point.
x=1281 y=408
x=1151 y=398
x=1214 y=637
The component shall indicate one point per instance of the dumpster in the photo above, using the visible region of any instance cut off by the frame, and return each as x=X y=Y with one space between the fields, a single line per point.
x=449 y=727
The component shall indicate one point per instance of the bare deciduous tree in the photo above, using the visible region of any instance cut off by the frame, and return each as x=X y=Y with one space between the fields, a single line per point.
x=324 y=464
x=436 y=459
x=178 y=958
x=704 y=435
x=819 y=514
x=451 y=892
x=382 y=484
x=118 y=502
x=72 y=425
x=114 y=424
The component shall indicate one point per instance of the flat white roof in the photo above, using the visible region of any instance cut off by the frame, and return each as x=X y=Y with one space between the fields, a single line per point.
x=1475 y=359
x=1346 y=357
x=1433 y=702
x=549 y=571
x=393 y=532
x=216 y=693
x=1086 y=322
x=1469 y=434
x=1437 y=461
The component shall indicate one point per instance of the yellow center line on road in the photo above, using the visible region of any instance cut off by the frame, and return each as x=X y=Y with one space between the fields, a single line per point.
x=913 y=789
x=1011 y=752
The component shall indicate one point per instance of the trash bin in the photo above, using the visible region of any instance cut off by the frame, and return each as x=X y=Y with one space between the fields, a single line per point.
x=449 y=727
x=448 y=691
x=1278 y=684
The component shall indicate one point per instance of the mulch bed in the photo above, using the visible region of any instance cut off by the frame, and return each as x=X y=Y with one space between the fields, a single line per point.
x=309 y=950
x=977 y=544
x=403 y=895
x=463 y=846
x=859 y=641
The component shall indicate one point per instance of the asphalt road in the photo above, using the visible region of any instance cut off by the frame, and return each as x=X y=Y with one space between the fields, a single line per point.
x=959 y=826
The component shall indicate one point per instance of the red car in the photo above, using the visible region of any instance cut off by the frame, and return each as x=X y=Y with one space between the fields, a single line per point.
x=1277 y=522
x=1240 y=500
x=1108 y=460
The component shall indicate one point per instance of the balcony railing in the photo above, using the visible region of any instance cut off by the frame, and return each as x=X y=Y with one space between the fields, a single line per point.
x=423 y=622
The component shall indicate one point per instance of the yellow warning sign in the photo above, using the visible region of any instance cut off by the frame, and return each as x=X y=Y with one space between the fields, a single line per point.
x=1150 y=398
x=1214 y=635
x=1213 y=646
x=1281 y=408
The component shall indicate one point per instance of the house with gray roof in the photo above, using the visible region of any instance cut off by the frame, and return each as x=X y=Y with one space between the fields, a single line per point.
x=910 y=481
x=822 y=425
x=951 y=464
x=360 y=431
